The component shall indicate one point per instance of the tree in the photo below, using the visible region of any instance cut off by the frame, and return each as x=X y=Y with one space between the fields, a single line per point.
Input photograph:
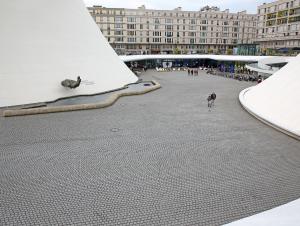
x=176 y=51
x=185 y=51
x=229 y=51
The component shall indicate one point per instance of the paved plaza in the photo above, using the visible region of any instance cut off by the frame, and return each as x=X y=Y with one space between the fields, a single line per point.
x=158 y=159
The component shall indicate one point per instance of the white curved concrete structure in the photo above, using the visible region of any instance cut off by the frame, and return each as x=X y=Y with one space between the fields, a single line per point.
x=265 y=65
x=43 y=42
x=284 y=215
x=276 y=100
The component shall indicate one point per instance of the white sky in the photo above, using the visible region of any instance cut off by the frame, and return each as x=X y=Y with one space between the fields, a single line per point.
x=233 y=5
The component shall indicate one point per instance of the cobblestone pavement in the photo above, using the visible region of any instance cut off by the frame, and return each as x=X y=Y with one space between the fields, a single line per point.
x=157 y=159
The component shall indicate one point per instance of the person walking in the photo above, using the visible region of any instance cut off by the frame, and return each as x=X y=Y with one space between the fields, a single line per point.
x=211 y=100
x=259 y=80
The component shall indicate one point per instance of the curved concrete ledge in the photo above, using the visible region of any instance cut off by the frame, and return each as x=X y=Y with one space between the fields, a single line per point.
x=281 y=128
x=256 y=68
x=108 y=102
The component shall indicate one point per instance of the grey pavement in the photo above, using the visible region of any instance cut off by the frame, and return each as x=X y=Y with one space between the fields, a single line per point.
x=157 y=159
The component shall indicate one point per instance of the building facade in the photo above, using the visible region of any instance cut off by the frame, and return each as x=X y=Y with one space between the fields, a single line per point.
x=145 y=31
x=279 y=26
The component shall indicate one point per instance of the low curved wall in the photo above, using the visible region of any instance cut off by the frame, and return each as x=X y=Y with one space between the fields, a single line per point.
x=276 y=100
x=54 y=109
x=279 y=127
x=255 y=67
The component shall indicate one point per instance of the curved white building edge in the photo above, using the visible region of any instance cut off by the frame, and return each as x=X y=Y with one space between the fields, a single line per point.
x=44 y=42
x=285 y=215
x=276 y=100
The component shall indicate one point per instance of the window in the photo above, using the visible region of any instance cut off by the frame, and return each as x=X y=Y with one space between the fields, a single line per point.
x=119 y=32
x=156 y=33
x=118 y=19
x=169 y=40
x=131 y=19
x=130 y=26
x=169 y=27
x=131 y=39
x=118 y=25
x=119 y=39
x=131 y=33
x=169 y=21
x=169 y=34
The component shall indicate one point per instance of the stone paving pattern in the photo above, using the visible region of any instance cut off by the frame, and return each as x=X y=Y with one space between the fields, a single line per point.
x=157 y=159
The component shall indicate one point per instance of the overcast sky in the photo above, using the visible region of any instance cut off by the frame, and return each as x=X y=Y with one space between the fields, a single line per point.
x=233 y=5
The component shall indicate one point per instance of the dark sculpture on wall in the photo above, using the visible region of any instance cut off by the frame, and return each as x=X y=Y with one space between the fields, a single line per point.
x=68 y=83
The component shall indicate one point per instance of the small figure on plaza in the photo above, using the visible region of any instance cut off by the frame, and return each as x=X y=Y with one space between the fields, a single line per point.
x=259 y=80
x=69 y=83
x=211 y=99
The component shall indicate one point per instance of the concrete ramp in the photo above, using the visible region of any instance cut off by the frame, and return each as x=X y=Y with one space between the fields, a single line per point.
x=276 y=100
x=44 y=42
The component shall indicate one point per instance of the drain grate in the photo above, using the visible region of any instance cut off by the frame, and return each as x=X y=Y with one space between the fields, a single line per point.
x=114 y=130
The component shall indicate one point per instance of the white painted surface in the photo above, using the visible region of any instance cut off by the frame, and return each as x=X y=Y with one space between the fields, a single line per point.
x=286 y=215
x=43 y=42
x=276 y=100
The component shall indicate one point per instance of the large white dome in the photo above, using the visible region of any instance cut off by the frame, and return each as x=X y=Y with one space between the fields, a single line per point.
x=276 y=100
x=44 y=42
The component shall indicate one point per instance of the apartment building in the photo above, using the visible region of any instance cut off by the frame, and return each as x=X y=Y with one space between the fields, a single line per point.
x=146 y=31
x=279 y=26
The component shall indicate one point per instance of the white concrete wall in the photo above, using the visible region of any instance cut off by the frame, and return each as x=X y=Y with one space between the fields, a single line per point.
x=285 y=215
x=276 y=100
x=43 y=42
